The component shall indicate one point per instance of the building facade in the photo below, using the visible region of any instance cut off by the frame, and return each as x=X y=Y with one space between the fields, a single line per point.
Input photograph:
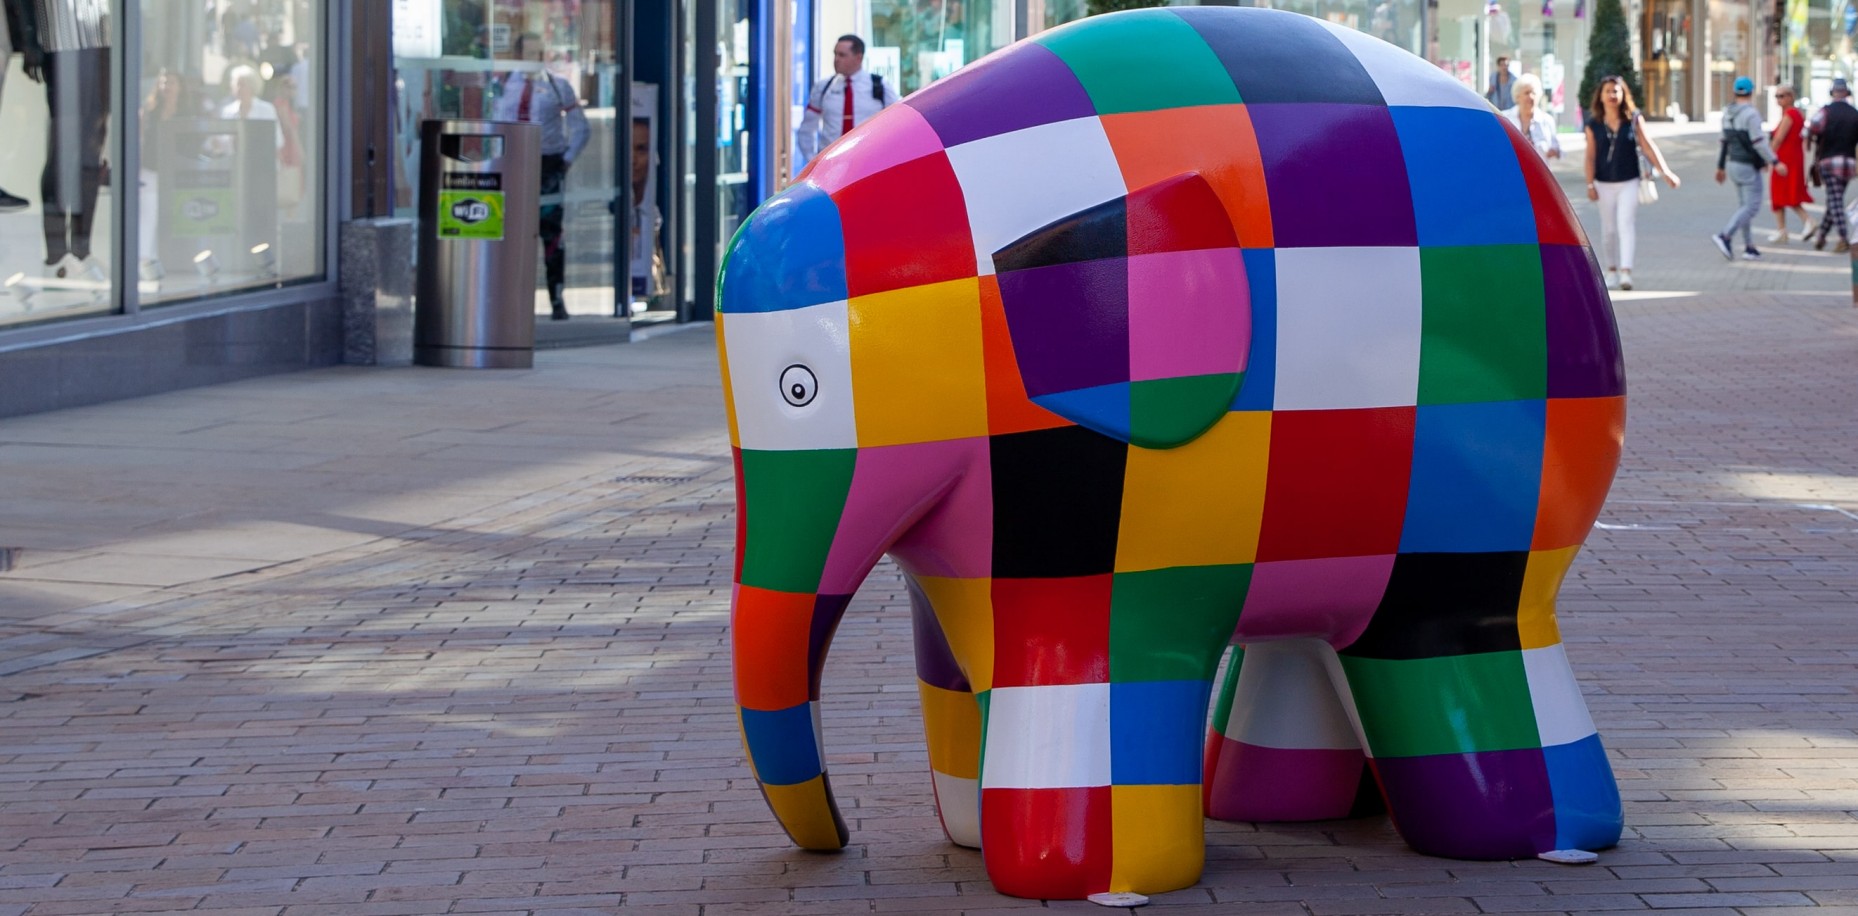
x=203 y=190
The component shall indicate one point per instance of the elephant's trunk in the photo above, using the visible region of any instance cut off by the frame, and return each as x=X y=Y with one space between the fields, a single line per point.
x=779 y=642
x=789 y=507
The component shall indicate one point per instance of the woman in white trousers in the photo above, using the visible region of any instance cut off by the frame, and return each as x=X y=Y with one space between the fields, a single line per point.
x=1615 y=138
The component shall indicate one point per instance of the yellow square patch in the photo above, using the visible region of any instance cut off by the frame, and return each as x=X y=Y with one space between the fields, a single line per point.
x=952 y=725
x=1160 y=840
x=917 y=364
x=965 y=608
x=1535 y=614
x=722 y=359
x=1200 y=504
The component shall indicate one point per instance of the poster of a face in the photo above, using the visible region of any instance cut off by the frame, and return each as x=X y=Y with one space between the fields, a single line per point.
x=647 y=278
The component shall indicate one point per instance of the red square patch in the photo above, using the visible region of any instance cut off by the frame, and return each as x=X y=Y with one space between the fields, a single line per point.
x=1051 y=631
x=1045 y=843
x=1337 y=483
x=906 y=226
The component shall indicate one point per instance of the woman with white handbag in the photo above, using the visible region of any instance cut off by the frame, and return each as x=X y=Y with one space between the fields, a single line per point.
x=1615 y=140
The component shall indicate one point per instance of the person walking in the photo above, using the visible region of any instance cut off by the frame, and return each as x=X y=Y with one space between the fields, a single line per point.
x=842 y=101
x=1502 y=86
x=1835 y=133
x=1615 y=140
x=1788 y=190
x=541 y=97
x=1534 y=123
x=1745 y=152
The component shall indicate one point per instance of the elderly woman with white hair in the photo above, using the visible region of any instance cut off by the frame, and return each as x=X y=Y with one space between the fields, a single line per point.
x=1528 y=116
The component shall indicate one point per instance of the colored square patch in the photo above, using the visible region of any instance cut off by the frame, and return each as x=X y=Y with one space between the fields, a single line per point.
x=1583 y=341
x=1158 y=730
x=1047 y=737
x=1118 y=65
x=1449 y=152
x=1190 y=314
x=815 y=337
x=1337 y=483
x=1579 y=458
x=885 y=252
x=1011 y=188
x=1213 y=141
x=1348 y=327
x=1199 y=504
x=1477 y=469
x=894 y=336
x=1330 y=599
x=1271 y=56
x=1484 y=338
x=1446 y=604
x=1051 y=631
x=1002 y=93
x=1337 y=176
x=1173 y=624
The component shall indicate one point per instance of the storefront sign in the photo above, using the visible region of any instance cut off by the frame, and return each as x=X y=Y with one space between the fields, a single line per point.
x=471 y=205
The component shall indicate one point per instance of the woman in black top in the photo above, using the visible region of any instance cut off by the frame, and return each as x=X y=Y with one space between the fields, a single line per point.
x=1615 y=139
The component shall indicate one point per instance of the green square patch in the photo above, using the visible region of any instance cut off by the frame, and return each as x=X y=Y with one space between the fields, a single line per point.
x=1121 y=67
x=1172 y=624
x=791 y=506
x=1164 y=413
x=1484 y=334
x=1454 y=704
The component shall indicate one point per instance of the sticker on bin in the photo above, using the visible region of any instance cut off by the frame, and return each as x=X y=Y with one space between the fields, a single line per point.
x=471 y=205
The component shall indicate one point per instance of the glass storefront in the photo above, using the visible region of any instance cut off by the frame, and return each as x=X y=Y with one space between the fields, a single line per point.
x=1547 y=38
x=553 y=62
x=217 y=188
x=915 y=42
x=1817 y=46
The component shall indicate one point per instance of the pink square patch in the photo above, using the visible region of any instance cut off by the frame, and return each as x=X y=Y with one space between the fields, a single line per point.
x=1190 y=313
x=1331 y=599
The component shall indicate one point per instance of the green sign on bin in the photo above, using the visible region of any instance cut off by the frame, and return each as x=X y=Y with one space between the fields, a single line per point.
x=471 y=205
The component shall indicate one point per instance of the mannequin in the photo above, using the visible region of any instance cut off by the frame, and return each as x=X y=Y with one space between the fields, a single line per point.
x=8 y=28
x=66 y=46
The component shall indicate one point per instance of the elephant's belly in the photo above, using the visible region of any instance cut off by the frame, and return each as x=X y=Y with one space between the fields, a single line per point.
x=1328 y=599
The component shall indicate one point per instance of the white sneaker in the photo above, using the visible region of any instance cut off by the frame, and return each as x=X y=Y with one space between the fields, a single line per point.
x=1612 y=279
x=67 y=266
x=1625 y=279
x=93 y=269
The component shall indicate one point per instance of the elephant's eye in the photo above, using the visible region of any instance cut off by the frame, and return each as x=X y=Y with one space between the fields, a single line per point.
x=798 y=385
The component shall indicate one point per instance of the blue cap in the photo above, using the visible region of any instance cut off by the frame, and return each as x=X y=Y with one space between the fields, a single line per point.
x=1744 y=86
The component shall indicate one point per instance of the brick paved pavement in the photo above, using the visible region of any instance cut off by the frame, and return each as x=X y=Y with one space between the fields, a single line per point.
x=410 y=641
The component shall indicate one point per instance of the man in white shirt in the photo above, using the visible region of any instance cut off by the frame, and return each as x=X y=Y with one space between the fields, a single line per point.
x=548 y=100
x=842 y=101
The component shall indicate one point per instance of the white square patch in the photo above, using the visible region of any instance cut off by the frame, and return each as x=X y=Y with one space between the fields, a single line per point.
x=762 y=347
x=1054 y=737
x=1020 y=181
x=1348 y=328
x=1561 y=715
x=1402 y=78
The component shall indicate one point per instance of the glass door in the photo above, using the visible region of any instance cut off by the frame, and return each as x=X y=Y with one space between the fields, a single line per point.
x=551 y=62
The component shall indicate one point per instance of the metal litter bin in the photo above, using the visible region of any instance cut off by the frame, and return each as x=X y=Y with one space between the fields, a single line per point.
x=479 y=187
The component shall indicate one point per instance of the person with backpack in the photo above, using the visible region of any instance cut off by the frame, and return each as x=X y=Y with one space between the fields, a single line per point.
x=840 y=102
x=1742 y=156
x=1835 y=140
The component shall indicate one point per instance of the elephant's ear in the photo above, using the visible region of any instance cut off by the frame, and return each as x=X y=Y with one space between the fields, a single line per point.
x=1133 y=317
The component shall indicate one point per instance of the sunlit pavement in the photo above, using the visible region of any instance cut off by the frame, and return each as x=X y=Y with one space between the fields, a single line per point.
x=426 y=641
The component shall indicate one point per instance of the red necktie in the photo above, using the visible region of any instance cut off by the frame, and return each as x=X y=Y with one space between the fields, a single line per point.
x=845 y=125
x=522 y=107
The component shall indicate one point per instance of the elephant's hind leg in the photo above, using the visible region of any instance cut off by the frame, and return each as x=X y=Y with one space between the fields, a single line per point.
x=1479 y=736
x=1282 y=747
x=951 y=717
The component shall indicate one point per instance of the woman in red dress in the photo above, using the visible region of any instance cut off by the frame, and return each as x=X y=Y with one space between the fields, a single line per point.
x=1789 y=190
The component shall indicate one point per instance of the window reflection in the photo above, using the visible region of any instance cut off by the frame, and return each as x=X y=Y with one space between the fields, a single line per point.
x=230 y=147
x=55 y=114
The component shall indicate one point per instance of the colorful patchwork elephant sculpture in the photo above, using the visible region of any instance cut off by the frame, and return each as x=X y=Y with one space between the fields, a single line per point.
x=1156 y=333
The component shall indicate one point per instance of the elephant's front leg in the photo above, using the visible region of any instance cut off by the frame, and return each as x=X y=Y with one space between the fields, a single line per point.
x=1090 y=776
x=1479 y=735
